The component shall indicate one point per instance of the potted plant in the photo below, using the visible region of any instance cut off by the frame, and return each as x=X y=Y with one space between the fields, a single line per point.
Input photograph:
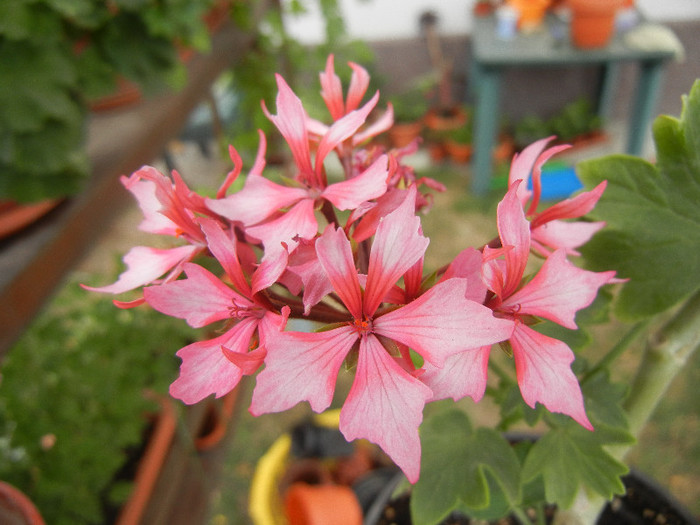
x=593 y=22
x=70 y=447
x=459 y=144
x=577 y=123
x=70 y=55
x=409 y=108
x=509 y=320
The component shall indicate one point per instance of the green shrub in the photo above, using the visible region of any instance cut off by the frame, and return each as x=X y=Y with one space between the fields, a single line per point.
x=72 y=404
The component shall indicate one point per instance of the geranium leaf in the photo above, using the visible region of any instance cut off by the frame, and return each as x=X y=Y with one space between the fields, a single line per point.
x=453 y=471
x=604 y=399
x=570 y=456
x=653 y=218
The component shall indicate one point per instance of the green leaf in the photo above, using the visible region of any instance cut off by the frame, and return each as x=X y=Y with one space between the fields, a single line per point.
x=570 y=456
x=653 y=218
x=453 y=469
x=604 y=399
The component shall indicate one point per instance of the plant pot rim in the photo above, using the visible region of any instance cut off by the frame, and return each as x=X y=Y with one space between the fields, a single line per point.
x=19 y=505
x=152 y=461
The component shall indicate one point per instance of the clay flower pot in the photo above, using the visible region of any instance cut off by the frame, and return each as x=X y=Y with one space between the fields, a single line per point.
x=403 y=133
x=15 y=216
x=446 y=119
x=532 y=13
x=593 y=22
x=321 y=505
x=458 y=152
x=16 y=508
x=152 y=462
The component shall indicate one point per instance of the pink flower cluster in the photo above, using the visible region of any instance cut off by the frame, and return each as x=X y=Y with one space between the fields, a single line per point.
x=284 y=251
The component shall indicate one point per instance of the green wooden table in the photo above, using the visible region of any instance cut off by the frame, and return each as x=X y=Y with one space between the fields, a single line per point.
x=492 y=56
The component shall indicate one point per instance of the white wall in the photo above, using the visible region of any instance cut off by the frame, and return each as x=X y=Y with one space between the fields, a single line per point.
x=391 y=19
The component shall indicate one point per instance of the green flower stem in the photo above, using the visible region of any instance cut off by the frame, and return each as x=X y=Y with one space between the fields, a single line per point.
x=617 y=350
x=666 y=353
x=521 y=516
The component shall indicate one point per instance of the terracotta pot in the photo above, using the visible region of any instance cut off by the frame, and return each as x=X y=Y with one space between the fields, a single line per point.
x=446 y=119
x=15 y=216
x=151 y=463
x=322 y=505
x=531 y=12
x=437 y=151
x=458 y=152
x=216 y=421
x=16 y=508
x=593 y=22
x=126 y=93
x=403 y=134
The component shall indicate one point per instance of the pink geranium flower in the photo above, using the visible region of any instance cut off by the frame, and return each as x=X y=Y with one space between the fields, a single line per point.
x=387 y=397
x=557 y=292
x=549 y=229
x=279 y=216
x=168 y=209
x=215 y=366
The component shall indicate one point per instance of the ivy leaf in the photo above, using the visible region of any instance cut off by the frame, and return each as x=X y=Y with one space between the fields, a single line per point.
x=453 y=470
x=570 y=456
x=653 y=219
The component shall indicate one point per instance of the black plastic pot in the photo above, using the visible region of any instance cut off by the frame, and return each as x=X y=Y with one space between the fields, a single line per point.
x=645 y=503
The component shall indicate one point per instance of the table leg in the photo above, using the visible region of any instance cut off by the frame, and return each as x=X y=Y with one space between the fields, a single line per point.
x=485 y=127
x=650 y=77
x=606 y=91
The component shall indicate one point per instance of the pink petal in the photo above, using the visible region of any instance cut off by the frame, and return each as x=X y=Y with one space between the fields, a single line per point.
x=234 y=173
x=145 y=265
x=271 y=268
x=297 y=222
x=175 y=199
x=514 y=231
x=521 y=167
x=464 y=374
x=224 y=250
x=145 y=193
x=441 y=322
x=371 y=217
x=200 y=299
x=301 y=367
x=350 y=193
x=308 y=268
x=332 y=90
x=380 y=125
x=291 y=122
x=280 y=237
x=341 y=130
x=335 y=255
x=493 y=271
x=558 y=291
x=537 y=175
x=249 y=362
x=543 y=369
x=412 y=280
x=316 y=128
x=205 y=370
x=259 y=199
x=359 y=82
x=385 y=406
x=397 y=245
x=559 y=234
x=468 y=264
x=571 y=208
